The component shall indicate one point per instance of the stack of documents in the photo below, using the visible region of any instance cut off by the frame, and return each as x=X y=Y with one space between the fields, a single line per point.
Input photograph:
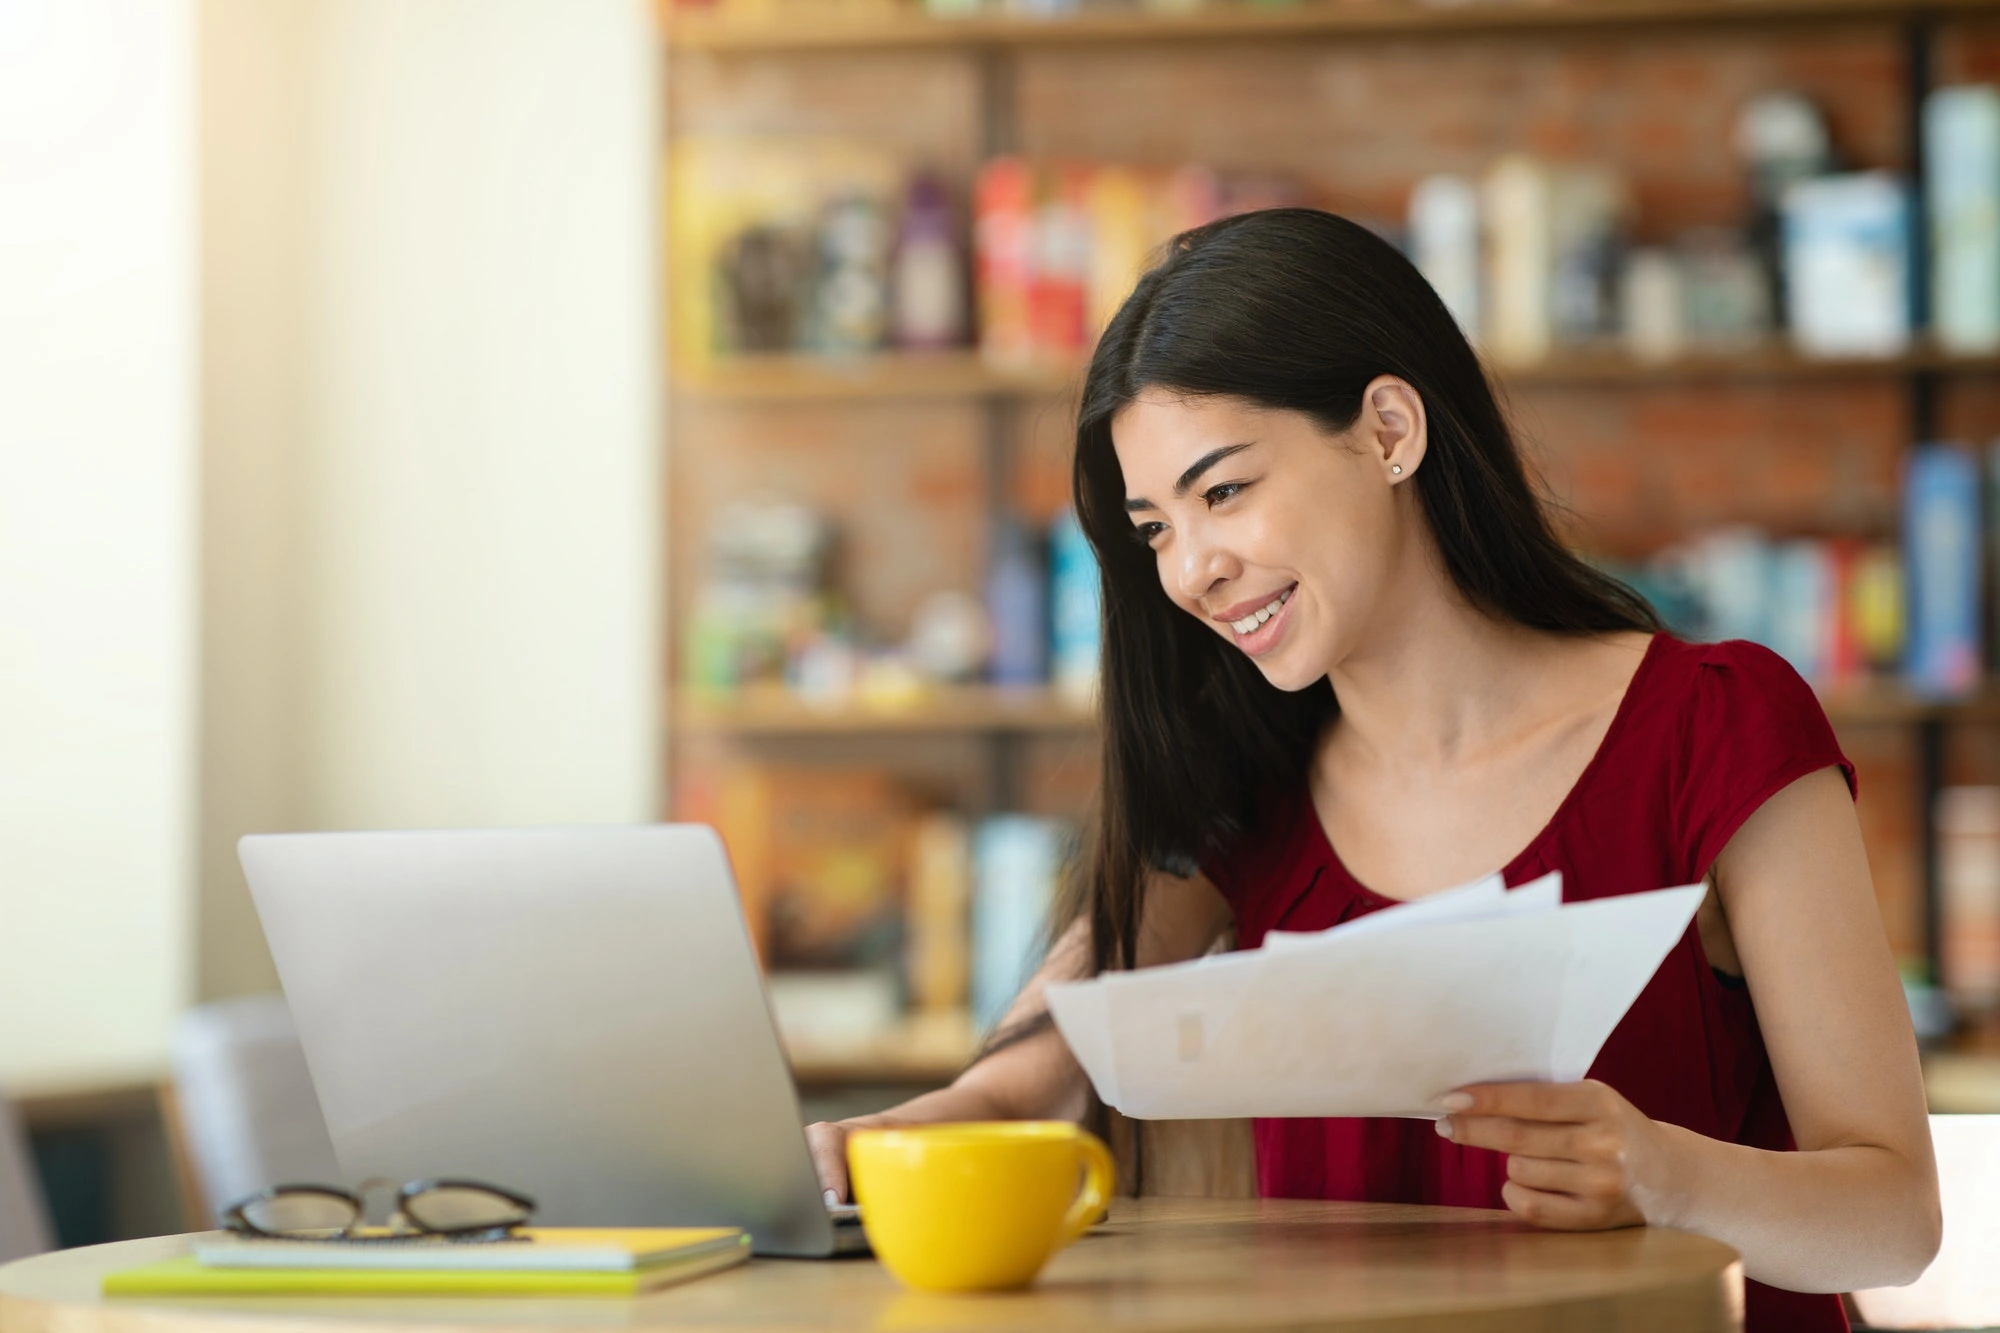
x=557 y=1261
x=1380 y=1016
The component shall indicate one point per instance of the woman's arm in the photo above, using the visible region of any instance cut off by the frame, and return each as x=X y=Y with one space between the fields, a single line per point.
x=1857 y=1204
x=1037 y=1078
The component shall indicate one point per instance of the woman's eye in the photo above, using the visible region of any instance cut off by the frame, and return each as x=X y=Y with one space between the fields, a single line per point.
x=1227 y=490
x=1144 y=533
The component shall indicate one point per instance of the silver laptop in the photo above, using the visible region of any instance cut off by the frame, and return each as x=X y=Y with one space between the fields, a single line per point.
x=575 y=1013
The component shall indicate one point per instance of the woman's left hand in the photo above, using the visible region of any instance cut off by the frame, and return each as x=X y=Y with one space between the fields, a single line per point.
x=1579 y=1156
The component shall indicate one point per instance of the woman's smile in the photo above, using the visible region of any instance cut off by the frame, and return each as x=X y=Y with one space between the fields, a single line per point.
x=1255 y=627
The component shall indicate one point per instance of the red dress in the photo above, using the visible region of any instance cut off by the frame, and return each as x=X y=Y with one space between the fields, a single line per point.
x=1704 y=736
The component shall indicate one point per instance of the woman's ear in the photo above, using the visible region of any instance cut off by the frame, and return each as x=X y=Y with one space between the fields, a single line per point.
x=1392 y=426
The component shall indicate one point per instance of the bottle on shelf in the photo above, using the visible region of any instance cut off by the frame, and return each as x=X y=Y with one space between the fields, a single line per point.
x=1968 y=831
x=1074 y=610
x=1016 y=602
x=1941 y=541
x=938 y=962
x=1444 y=243
x=851 y=293
x=929 y=270
x=1962 y=183
x=1017 y=860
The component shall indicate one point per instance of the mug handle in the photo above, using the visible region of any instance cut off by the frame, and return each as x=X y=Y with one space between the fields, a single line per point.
x=1100 y=1178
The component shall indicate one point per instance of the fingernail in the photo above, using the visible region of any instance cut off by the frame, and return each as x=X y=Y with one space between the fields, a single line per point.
x=832 y=1198
x=1456 y=1101
x=1444 y=1127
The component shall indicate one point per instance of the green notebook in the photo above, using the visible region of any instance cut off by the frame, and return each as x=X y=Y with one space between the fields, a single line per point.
x=186 y=1276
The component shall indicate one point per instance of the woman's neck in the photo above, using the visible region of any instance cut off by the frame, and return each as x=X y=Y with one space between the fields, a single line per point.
x=1440 y=681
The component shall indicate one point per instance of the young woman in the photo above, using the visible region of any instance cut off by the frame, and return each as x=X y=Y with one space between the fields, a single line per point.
x=1347 y=664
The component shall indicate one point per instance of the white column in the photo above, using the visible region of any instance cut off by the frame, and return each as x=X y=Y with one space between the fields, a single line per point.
x=98 y=375
x=480 y=559
x=433 y=423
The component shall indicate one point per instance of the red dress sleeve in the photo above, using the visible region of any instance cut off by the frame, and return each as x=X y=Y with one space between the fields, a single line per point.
x=1752 y=728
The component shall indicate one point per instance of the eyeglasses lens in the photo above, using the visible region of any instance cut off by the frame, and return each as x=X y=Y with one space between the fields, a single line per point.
x=463 y=1208
x=289 y=1214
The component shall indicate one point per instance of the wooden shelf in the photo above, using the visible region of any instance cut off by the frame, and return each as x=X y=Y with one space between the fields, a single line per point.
x=1892 y=704
x=1769 y=362
x=924 y=1048
x=1962 y=1083
x=804 y=377
x=798 y=26
x=892 y=375
x=775 y=711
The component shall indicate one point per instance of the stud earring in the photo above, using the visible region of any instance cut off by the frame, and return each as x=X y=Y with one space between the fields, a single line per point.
x=1396 y=469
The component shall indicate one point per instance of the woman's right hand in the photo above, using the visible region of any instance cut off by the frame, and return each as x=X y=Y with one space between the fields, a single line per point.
x=828 y=1141
x=1036 y=1077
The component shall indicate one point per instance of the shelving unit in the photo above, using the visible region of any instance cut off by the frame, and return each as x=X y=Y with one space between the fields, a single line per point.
x=998 y=44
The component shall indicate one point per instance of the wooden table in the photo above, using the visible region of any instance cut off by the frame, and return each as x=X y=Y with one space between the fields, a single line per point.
x=1158 y=1266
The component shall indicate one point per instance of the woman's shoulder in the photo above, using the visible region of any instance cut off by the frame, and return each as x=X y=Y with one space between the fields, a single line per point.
x=1734 y=723
x=1728 y=685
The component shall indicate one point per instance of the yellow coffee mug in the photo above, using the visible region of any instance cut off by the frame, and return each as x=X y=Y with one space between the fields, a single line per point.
x=976 y=1207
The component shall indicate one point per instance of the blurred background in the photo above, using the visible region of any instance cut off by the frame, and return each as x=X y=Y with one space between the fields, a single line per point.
x=475 y=412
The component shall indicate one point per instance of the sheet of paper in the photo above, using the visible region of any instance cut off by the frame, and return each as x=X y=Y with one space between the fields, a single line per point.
x=1616 y=946
x=1088 y=1032
x=1480 y=894
x=1477 y=901
x=1374 y=1022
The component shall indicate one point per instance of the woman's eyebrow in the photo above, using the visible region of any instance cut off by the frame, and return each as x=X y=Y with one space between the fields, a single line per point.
x=1192 y=475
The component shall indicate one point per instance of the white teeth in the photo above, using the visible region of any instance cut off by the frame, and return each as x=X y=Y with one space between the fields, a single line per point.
x=1261 y=614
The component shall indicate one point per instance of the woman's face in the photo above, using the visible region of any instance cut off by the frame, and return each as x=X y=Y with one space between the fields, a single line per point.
x=1279 y=537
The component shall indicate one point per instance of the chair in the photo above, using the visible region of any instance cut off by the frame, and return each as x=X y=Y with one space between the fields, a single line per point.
x=1961 y=1289
x=247 y=1113
x=25 y=1228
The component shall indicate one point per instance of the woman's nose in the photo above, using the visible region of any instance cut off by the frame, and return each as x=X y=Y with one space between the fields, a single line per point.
x=1202 y=566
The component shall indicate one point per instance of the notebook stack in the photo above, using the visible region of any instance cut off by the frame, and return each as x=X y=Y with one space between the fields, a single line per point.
x=553 y=1261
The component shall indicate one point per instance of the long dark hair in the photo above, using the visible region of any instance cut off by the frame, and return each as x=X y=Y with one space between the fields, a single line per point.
x=1297 y=309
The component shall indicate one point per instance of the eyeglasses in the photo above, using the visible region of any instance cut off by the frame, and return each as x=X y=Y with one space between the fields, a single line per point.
x=449 y=1209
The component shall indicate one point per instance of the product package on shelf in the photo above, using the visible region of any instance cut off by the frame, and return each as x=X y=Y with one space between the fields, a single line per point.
x=809 y=244
x=764 y=601
x=1551 y=239
x=1961 y=132
x=1847 y=265
x=1846 y=610
x=1058 y=246
x=1968 y=833
x=1444 y=236
x=821 y=856
x=1017 y=605
x=1832 y=607
x=1533 y=257
x=1075 y=611
x=1943 y=549
x=1017 y=863
x=940 y=904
